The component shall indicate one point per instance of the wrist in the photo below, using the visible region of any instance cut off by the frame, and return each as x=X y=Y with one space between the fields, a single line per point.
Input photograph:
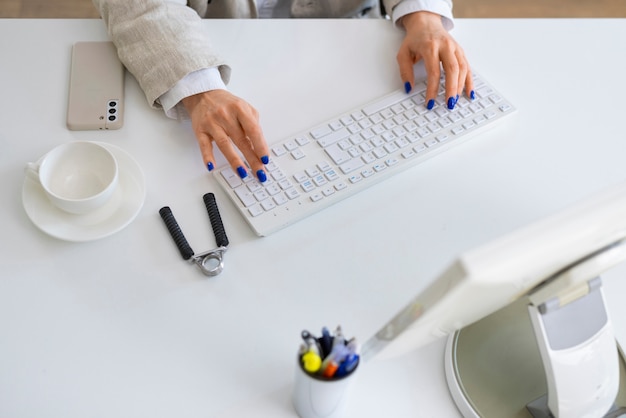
x=421 y=20
x=190 y=102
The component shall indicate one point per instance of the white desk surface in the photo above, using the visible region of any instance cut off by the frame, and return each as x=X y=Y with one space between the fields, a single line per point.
x=123 y=327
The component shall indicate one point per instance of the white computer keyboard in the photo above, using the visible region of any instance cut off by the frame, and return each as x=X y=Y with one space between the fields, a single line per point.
x=335 y=159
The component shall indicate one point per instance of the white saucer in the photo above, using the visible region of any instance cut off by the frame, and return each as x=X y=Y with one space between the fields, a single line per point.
x=116 y=214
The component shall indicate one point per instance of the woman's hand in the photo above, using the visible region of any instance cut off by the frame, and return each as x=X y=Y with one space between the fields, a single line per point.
x=427 y=39
x=221 y=117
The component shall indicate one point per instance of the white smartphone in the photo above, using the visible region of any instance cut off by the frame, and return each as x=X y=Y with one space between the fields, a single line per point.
x=96 y=93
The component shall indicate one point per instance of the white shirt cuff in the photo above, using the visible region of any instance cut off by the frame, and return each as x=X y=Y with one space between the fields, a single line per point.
x=442 y=8
x=196 y=82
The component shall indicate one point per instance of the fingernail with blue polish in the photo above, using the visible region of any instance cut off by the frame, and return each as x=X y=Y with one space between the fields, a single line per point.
x=451 y=103
x=472 y=95
x=407 y=87
x=431 y=104
x=456 y=99
x=242 y=172
x=261 y=175
x=210 y=166
x=265 y=159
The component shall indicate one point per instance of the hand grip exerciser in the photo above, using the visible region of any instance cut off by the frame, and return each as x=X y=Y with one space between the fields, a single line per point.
x=210 y=262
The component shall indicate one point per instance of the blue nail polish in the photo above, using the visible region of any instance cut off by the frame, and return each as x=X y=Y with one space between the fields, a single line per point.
x=261 y=176
x=456 y=99
x=451 y=103
x=407 y=87
x=472 y=95
x=431 y=104
x=242 y=172
x=265 y=159
x=210 y=166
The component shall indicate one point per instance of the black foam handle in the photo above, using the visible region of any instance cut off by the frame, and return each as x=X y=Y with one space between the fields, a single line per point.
x=175 y=232
x=216 y=220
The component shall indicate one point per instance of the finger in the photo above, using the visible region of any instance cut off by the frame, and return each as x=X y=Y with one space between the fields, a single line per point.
x=405 y=64
x=451 y=69
x=223 y=142
x=469 y=84
x=256 y=164
x=433 y=75
x=463 y=71
x=206 y=149
x=253 y=132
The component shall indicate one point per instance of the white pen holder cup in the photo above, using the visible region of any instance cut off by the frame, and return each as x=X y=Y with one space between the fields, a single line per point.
x=319 y=397
x=77 y=177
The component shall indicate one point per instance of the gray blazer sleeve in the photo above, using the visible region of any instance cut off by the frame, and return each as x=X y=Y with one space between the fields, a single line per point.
x=159 y=42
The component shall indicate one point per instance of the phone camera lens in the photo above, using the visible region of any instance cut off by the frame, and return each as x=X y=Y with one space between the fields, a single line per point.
x=112 y=118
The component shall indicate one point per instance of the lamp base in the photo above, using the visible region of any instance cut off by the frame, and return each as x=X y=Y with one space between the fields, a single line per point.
x=494 y=368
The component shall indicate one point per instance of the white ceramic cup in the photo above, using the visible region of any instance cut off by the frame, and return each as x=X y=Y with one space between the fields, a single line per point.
x=77 y=177
x=318 y=397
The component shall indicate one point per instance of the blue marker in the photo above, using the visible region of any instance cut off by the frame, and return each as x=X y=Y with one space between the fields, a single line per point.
x=351 y=360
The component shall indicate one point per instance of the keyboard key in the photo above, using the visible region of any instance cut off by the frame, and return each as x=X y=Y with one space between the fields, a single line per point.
x=419 y=147
x=331 y=175
x=261 y=195
x=268 y=205
x=246 y=197
x=300 y=176
x=292 y=193
x=285 y=184
x=367 y=172
x=312 y=171
x=272 y=189
x=298 y=154
x=334 y=137
x=351 y=165
x=379 y=167
x=340 y=186
x=280 y=199
x=328 y=191
x=231 y=178
x=302 y=140
x=255 y=210
x=307 y=186
x=335 y=125
x=321 y=131
x=391 y=161
x=279 y=150
x=291 y=145
x=336 y=154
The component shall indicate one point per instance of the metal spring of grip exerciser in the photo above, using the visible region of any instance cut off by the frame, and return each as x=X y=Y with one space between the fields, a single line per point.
x=210 y=262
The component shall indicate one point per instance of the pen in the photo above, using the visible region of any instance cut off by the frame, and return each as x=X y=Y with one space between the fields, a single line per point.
x=311 y=360
x=332 y=361
x=351 y=360
x=326 y=342
x=338 y=339
x=310 y=339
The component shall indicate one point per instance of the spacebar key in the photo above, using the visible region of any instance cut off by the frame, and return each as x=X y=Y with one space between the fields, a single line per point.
x=385 y=102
